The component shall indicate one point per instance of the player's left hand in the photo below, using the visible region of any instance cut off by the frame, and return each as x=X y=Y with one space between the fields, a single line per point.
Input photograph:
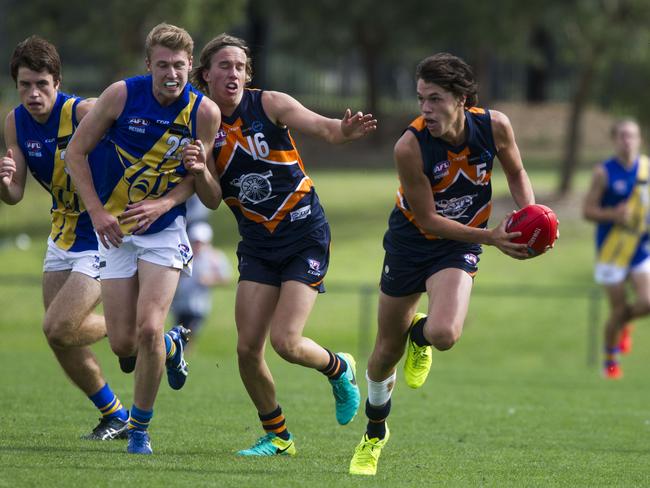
x=357 y=125
x=143 y=214
x=194 y=157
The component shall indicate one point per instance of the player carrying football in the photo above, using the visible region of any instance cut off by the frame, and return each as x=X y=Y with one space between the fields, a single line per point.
x=617 y=201
x=435 y=232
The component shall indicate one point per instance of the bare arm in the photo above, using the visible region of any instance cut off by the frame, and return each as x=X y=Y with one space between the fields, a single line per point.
x=285 y=110
x=199 y=157
x=510 y=159
x=94 y=125
x=84 y=107
x=592 y=209
x=417 y=189
x=13 y=168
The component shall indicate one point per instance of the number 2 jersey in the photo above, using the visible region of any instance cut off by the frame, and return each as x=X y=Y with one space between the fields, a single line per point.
x=43 y=146
x=460 y=181
x=147 y=142
x=263 y=179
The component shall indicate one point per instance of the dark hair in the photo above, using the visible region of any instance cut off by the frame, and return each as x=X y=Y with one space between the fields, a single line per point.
x=451 y=73
x=215 y=45
x=36 y=54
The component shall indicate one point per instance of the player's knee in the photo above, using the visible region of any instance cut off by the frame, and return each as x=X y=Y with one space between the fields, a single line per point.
x=249 y=353
x=643 y=305
x=444 y=339
x=287 y=348
x=57 y=333
x=123 y=347
x=387 y=355
x=149 y=335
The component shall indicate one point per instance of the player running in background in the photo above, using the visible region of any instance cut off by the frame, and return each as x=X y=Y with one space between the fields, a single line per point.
x=36 y=135
x=617 y=201
x=148 y=119
x=435 y=232
x=284 y=251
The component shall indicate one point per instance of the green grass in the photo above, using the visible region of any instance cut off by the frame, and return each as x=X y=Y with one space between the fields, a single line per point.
x=514 y=403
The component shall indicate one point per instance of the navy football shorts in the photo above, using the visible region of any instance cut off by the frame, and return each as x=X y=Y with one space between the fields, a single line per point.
x=405 y=275
x=305 y=261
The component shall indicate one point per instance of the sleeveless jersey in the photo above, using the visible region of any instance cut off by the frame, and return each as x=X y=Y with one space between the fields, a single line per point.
x=43 y=146
x=614 y=243
x=460 y=182
x=148 y=139
x=263 y=178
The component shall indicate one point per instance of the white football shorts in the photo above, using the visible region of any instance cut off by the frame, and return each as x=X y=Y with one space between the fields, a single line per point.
x=170 y=247
x=56 y=259
x=609 y=274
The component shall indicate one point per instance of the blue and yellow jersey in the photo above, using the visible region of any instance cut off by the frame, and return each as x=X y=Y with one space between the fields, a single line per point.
x=623 y=245
x=460 y=181
x=263 y=178
x=43 y=146
x=148 y=139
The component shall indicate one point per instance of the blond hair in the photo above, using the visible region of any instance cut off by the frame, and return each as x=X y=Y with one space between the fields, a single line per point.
x=169 y=36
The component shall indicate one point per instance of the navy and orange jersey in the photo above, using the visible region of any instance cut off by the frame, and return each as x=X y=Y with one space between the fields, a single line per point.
x=148 y=139
x=44 y=146
x=460 y=182
x=263 y=178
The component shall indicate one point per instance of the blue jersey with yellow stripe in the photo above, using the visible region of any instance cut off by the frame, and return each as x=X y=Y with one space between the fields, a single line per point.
x=460 y=178
x=263 y=178
x=43 y=146
x=148 y=139
x=619 y=187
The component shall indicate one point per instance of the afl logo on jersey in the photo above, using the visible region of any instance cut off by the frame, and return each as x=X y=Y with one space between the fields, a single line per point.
x=220 y=139
x=34 y=148
x=441 y=169
x=620 y=187
x=254 y=187
x=138 y=124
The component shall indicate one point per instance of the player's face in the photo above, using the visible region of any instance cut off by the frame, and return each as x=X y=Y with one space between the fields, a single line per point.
x=440 y=108
x=226 y=77
x=170 y=70
x=628 y=140
x=37 y=91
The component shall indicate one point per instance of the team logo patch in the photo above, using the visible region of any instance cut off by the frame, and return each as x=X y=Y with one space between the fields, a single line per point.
x=441 y=169
x=301 y=213
x=257 y=126
x=254 y=187
x=455 y=208
x=34 y=148
x=138 y=124
x=620 y=187
x=96 y=262
x=471 y=258
x=185 y=252
x=220 y=139
x=314 y=267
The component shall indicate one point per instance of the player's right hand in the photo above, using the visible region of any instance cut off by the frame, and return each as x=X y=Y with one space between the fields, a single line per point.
x=107 y=228
x=502 y=240
x=194 y=157
x=7 y=168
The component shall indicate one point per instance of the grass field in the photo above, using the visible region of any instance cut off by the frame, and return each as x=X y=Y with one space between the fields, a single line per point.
x=513 y=404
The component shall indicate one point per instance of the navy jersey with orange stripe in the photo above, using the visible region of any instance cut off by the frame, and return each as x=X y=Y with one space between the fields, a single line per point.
x=263 y=178
x=460 y=181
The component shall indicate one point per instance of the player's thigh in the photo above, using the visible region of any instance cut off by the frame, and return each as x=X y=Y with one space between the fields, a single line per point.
x=449 y=292
x=254 y=307
x=641 y=283
x=616 y=294
x=156 y=287
x=394 y=317
x=70 y=300
x=295 y=303
x=120 y=298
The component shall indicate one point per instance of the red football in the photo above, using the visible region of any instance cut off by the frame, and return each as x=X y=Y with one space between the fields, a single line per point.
x=538 y=227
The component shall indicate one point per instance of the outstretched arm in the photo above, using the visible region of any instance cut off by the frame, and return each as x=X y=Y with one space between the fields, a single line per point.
x=285 y=110
x=90 y=131
x=13 y=168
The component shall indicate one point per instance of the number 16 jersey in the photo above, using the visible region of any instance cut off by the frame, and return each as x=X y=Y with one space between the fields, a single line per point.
x=263 y=179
